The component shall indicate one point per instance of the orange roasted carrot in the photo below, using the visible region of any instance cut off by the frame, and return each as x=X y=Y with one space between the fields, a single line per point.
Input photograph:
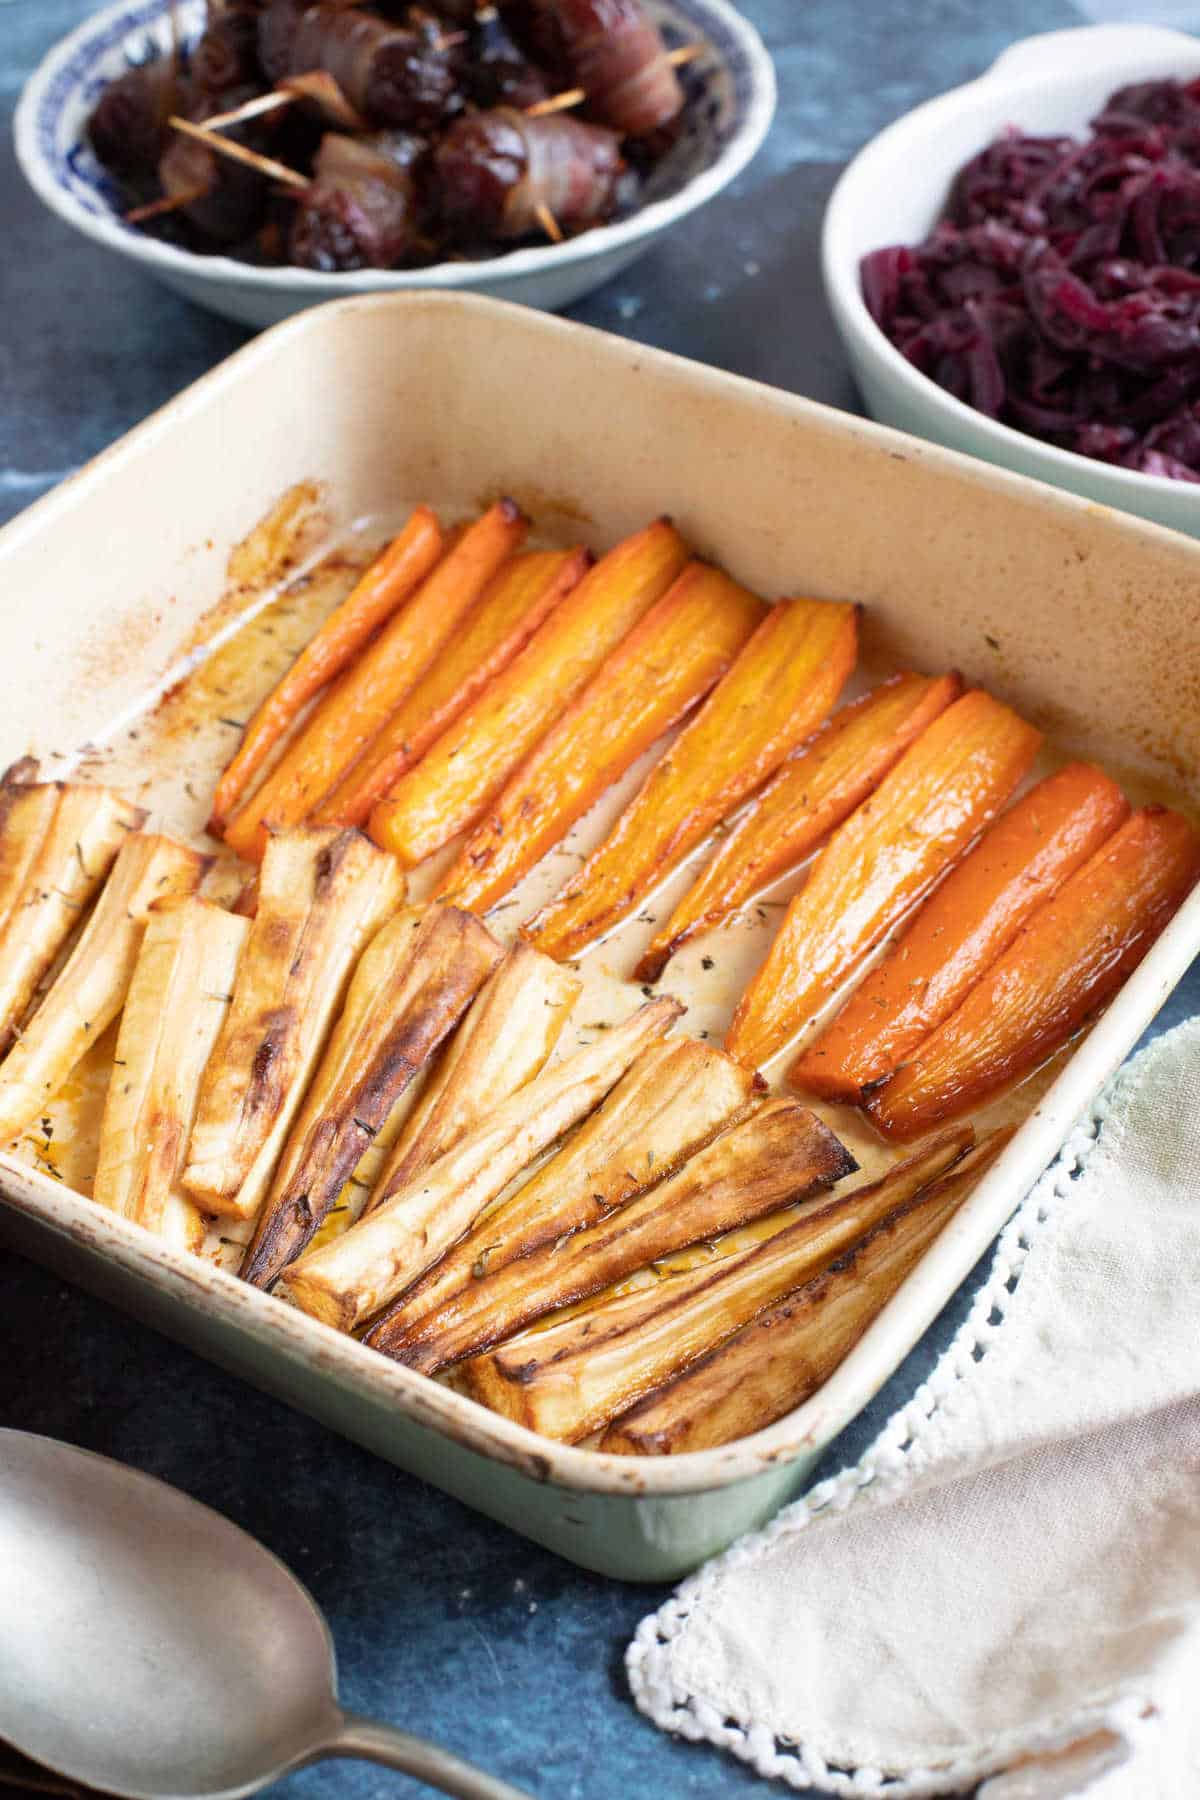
x=521 y=594
x=461 y=773
x=960 y=931
x=1066 y=963
x=683 y=645
x=384 y=586
x=920 y=819
x=368 y=693
x=782 y=686
x=818 y=787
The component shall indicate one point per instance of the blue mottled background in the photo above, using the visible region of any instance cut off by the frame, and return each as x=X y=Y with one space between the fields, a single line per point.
x=445 y=1622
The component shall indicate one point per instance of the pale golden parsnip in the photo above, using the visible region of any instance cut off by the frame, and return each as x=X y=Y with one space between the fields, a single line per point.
x=91 y=986
x=180 y=992
x=677 y=1096
x=323 y=893
x=27 y=808
x=780 y=1155
x=57 y=844
x=566 y=1380
x=790 y=1350
x=503 y=1042
x=412 y=985
x=349 y=1280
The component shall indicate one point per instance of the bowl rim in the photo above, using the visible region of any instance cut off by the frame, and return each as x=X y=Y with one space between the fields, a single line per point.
x=744 y=141
x=1032 y=64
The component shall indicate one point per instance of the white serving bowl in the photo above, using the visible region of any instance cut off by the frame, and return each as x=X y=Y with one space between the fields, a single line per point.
x=895 y=189
x=726 y=125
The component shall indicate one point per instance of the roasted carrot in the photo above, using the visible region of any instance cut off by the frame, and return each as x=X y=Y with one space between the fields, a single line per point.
x=466 y=768
x=958 y=933
x=520 y=595
x=364 y=698
x=667 y=663
x=920 y=819
x=1064 y=965
x=782 y=686
x=386 y=584
x=818 y=787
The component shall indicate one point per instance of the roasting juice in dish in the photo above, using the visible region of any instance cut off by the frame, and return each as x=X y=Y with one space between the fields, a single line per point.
x=287 y=577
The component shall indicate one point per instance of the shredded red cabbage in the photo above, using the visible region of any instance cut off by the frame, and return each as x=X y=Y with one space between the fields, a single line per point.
x=1060 y=293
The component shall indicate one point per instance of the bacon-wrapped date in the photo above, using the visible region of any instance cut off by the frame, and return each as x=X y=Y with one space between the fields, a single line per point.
x=227 y=198
x=614 y=51
x=406 y=75
x=226 y=55
x=363 y=209
x=434 y=148
x=494 y=170
x=498 y=73
x=128 y=125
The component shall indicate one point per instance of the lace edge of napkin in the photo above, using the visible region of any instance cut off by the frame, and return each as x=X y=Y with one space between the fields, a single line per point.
x=887 y=1465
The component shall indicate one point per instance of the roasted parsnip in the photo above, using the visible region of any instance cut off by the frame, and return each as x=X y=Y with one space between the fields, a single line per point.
x=920 y=819
x=457 y=778
x=566 y=1380
x=960 y=931
x=349 y=1280
x=27 y=809
x=413 y=983
x=57 y=845
x=1062 y=967
x=91 y=986
x=181 y=989
x=675 y=1098
x=667 y=663
x=370 y=690
x=789 y=1351
x=521 y=595
x=322 y=894
x=818 y=787
x=778 y=1156
x=504 y=1042
x=775 y=694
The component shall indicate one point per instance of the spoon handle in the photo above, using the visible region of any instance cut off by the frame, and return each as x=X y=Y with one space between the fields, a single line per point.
x=373 y=1742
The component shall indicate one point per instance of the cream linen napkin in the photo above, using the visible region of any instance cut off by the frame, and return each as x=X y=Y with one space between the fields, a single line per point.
x=1006 y=1589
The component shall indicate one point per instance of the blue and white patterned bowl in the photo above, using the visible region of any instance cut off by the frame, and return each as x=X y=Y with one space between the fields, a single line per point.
x=728 y=122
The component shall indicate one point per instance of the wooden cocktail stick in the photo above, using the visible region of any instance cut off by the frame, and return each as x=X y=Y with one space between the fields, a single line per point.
x=266 y=165
x=168 y=203
x=576 y=96
x=250 y=109
x=316 y=85
x=549 y=223
x=556 y=103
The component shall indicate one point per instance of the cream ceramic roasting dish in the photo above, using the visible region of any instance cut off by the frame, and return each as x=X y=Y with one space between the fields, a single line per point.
x=1086 y=620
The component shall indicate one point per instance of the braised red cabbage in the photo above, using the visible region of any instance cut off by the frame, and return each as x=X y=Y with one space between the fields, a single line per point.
x=1060 y=292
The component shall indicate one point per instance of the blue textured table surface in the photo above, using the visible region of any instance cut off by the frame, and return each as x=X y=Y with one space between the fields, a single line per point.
x=444 y=1622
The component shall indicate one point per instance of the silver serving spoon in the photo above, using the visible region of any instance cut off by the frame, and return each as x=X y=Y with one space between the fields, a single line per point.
x=151 y=1648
